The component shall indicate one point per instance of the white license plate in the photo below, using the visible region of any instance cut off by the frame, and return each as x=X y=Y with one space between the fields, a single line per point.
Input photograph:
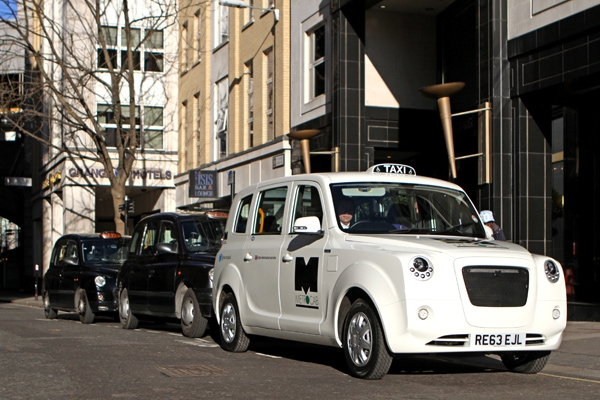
x=497 y=340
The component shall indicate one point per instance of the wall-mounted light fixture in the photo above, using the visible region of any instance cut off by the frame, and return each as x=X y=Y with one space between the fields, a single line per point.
x=243 y=4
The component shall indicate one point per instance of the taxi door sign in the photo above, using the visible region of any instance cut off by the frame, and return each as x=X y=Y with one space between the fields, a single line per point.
x=305 y=282
x=393 y=169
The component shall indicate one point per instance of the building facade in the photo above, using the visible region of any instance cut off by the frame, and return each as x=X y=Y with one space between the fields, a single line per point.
x=72 y=192
x=234 y=99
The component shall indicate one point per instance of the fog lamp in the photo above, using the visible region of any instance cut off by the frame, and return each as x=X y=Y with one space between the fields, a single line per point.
x=423 y=313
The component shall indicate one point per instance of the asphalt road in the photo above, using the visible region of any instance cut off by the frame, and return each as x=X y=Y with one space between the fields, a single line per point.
x=64 y=359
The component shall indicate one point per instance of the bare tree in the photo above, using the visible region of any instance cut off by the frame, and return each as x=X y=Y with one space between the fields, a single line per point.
x=89 y=65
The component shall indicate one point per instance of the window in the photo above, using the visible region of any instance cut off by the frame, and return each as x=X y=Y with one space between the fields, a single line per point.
x=196 y=121
x=154 y=51
x=242 y=215
x=133 y=46
x=221 y=25
x=221 y=118
x=153 y=125
x=250 y=82
x=270 y=94
x=183 y=59
x=131 y=42
x=315 y=63
x=249 y=14
x=108 y=59
x=198 y=38
x=269 y=216
x=308 y=204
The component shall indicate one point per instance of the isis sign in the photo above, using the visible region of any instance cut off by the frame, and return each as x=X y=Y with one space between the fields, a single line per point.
x=203 y=183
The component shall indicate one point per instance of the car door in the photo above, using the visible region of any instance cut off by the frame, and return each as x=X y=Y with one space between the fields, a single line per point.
x=136 y=268
x=302 y=264
x=259 y=264
x=161 y=273
x=52 y=275
x=69 y=275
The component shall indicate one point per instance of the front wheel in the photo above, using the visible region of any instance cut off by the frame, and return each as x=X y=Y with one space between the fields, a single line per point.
x=364 y=345
x=193 y=323
x=233 y=337
x=525 y=362
x=48 y=310
x=128 y=320
x=86 y=316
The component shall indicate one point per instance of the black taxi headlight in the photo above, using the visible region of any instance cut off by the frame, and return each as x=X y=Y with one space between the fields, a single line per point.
x=100 y=281
x=552 y=271
x=421 y=268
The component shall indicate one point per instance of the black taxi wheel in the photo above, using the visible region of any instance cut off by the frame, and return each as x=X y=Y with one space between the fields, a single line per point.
x=128 y=320
x=525 y=362
x=193 y=323
x=48 y=310
x=233 y=337
x=364 y=345
x=86 y=316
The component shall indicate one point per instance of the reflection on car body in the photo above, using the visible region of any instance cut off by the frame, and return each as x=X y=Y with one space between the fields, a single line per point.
x=82 y=273
x=168 y=272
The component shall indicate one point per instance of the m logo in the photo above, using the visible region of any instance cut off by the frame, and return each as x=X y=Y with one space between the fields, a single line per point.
x=306 y=274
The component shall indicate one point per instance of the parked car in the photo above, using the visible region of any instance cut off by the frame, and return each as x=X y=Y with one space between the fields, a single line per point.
x=82 y=274
x=413 y=273
x=168 y=272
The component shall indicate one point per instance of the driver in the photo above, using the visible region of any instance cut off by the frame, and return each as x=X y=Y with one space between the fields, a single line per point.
x=345 y=211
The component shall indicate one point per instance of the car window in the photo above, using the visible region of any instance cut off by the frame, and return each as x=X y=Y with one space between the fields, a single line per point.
x=241 y=217
x=308 y=203
x=167 y=233
x=269 y=215
x=104 y=251
x=404 y=208
x=202 y=234
x=67 y=249
x=148 y=240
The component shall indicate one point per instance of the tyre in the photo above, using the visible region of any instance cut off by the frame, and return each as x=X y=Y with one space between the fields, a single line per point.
x=233 y=337
x=48 y=310
x=364 y=345
x=193 y=323
x=525 y=362
x=128 y=320
x=86 y=316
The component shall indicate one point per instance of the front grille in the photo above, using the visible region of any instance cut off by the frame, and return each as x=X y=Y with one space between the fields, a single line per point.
x=493 y=286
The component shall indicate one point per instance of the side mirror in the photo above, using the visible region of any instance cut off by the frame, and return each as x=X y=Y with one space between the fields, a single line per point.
x=307 y=225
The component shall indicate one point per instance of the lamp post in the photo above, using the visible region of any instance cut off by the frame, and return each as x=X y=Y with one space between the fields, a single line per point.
x=243 y=4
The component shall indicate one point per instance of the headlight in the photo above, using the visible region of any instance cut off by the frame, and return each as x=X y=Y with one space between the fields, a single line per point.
x=100 y=281
x=421 y=268
x=211 y=273
x=552 y=271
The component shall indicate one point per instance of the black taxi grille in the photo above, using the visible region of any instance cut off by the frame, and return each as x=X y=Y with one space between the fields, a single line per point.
x=494 y=286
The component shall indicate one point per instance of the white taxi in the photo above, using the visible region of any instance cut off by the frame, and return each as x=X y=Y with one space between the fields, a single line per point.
x=409 y=271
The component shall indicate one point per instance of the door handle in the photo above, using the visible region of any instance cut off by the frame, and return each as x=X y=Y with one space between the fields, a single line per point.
x=248 y=257
x=287 y=258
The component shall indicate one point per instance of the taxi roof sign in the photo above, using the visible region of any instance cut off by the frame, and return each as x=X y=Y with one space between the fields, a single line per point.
x=393 y=169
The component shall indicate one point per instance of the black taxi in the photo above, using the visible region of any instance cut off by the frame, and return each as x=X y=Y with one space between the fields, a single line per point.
x=169 y=267
x=82 y=274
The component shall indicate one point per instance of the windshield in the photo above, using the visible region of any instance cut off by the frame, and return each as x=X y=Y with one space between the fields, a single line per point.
x=203 y=235
x=105 y=251
x=405 y=209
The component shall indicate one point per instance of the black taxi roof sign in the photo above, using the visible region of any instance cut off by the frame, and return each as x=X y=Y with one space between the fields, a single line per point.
x=393 y=169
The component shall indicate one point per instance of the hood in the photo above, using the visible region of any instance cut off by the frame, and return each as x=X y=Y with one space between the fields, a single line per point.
x=457 y=246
